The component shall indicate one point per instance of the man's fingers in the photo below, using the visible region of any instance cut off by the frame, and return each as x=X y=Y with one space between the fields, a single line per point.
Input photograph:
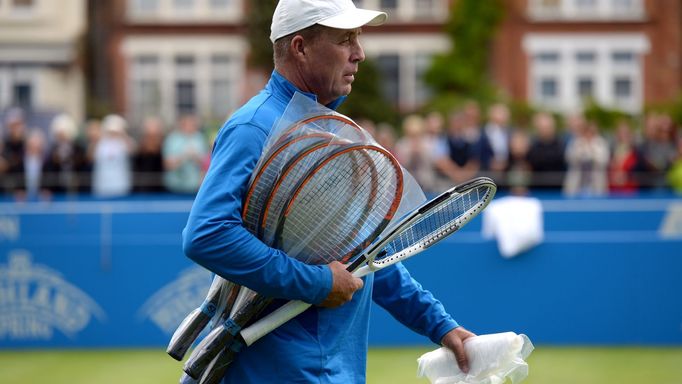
x=461 y=356
x=344 y=285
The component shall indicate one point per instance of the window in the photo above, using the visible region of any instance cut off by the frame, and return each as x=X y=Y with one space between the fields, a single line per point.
x=389 y=65
x=622 y=88
x=546 y=57
x=220 y=4
x=183 y=4
x=185 y=95
x=21 y=95
x=185 y=99
x=585 y=57
x=146 y=92
x=548 y=88
x=145 y=6
x=388 y=4
x=585 y=88
x=422 y=64
x=221 y=98
x=623 y=57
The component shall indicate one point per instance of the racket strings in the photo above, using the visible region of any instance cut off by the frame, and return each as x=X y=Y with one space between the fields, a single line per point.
x=266 y=174
x=437 y=223
x=342 y=206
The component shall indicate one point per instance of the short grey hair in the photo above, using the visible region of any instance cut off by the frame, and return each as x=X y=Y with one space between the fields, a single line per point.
x=281 y=45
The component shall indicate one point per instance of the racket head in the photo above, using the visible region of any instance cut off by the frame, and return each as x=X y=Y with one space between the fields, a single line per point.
x=343 y=203
x=432 y=222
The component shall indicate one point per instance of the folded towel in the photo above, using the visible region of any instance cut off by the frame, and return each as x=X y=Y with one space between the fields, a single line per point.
x=516 y=222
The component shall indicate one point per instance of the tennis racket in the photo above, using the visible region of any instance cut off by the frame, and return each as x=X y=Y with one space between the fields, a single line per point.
x=424 y=227
x=190 y=328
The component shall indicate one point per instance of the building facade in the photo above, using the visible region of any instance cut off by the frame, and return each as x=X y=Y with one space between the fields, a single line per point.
x=171 y=57
x=559 y=54
x=41 y=68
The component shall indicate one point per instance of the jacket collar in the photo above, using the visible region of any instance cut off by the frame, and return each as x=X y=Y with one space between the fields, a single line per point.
x=285 y=90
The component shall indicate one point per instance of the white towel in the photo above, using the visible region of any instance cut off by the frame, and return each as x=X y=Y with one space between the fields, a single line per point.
x=493 y=359
x=516 y=222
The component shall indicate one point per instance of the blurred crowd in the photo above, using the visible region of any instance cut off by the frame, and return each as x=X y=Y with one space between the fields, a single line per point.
x=102 y=157
x=109 y=158
x=571 y=154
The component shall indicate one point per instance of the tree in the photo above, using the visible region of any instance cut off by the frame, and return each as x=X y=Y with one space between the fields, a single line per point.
x=367 y=100
x=258 y=32
x=462 y=72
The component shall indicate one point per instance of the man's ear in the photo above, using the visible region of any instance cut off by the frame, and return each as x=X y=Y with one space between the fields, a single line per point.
x=298 y=48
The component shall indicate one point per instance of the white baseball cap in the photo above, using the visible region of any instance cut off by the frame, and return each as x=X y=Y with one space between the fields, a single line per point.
x=294 y=15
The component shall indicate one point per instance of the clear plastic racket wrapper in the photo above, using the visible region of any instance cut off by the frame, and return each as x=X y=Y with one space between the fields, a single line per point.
x=415 y=232
x=319 y=196
x=493 y=359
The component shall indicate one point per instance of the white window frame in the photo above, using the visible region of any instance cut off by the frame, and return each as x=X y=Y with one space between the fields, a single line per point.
x=570 y=10
x=603 y=71
x=202 y=49
x=10 y=76
x=406 y=11
x=201 y=12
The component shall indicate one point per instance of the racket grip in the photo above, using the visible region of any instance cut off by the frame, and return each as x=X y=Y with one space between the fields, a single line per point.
x=363 y=271
x=272 y=321
x=187 y=379
x=216 y=371
x=187 y=332
x=207 y=350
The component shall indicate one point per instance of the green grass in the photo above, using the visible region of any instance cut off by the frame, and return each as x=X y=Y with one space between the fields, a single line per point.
x=548 y=365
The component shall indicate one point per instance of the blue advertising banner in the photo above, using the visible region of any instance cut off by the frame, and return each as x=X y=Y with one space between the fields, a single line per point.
x=112 y=274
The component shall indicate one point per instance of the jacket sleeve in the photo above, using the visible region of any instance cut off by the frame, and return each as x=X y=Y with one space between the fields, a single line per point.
x=215 y=237
x=405 y=299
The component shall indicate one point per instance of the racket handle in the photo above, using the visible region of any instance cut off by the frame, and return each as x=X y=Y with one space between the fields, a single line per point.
x=283 y=314
x=270 y=322
x=363 y=271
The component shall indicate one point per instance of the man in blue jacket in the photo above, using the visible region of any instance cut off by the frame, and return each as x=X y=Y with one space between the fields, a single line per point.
x=317 y=53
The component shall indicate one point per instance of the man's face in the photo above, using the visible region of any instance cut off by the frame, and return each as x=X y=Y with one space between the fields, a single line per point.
x=332 y=64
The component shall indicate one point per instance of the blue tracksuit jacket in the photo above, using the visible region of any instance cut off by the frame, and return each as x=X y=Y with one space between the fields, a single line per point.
x=321 y=345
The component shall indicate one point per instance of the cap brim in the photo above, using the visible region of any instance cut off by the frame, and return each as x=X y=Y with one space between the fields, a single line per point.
x=355 y=18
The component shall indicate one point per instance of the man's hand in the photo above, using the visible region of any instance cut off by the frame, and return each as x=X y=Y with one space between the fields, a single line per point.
x=344 y=284
x=454 y=341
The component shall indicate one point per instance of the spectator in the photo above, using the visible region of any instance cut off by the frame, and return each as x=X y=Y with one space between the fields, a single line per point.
x=675 y=172
x=386 y=136
x=92 y=134
x=518 y=169
x=587 y=156
x=13 y=154
x=111 y=170
x=33 y=165
x=66 y=158
x=413 y=151
x=494 y=140
x=625 y=161
x=472 y=121
x=546 y=154
x=658 y=149
x=148 y=161
x=184 y=152
x=461 y=149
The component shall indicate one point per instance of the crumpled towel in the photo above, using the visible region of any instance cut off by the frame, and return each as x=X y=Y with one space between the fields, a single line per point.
x=492 y=359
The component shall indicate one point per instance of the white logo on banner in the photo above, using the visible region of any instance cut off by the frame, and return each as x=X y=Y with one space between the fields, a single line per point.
x=169 y=305
x=36 y=300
